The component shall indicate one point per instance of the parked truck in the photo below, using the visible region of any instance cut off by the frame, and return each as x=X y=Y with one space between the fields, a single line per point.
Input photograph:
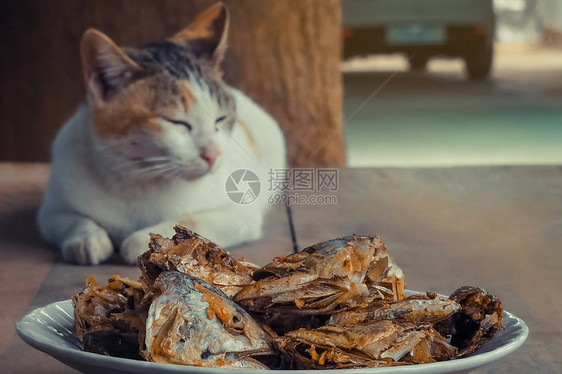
x=422 y=29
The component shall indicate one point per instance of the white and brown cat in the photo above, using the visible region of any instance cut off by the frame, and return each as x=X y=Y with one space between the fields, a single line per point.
x=153 y=147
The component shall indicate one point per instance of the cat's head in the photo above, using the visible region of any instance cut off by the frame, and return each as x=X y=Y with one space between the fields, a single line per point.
x=161 y=110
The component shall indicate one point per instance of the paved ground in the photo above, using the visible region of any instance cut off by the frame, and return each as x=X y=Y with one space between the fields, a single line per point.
x=493 y=227
x=438 y=118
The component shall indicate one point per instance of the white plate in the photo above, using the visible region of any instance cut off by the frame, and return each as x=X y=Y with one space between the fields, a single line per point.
x=49 y=329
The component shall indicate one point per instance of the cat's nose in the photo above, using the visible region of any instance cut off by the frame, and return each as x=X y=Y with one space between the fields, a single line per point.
x=209 y=155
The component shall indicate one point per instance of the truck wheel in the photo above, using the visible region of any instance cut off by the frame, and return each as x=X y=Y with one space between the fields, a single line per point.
x=418 y=62
x=478 y=61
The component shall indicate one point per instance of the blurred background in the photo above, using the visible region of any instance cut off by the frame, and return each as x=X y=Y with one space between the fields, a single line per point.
x=424 y=83
x=410 y=84
x=436 y=113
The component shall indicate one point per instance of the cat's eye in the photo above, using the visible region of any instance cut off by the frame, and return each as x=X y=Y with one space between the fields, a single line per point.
x=218 y=121
x=179 y=122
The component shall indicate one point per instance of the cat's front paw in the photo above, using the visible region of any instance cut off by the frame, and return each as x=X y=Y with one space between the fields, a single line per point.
x=134 y=246
x=89 y=247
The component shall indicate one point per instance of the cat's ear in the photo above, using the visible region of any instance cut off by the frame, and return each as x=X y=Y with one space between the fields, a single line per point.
x=207 y=35
x=107 y=69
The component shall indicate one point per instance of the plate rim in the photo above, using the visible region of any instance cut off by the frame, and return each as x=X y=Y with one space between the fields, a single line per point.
x=65 y=354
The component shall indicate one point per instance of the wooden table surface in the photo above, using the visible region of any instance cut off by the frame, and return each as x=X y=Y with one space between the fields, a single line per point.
x=495 y=227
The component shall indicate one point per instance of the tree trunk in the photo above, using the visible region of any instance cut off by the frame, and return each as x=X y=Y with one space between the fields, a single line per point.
x=285 y=54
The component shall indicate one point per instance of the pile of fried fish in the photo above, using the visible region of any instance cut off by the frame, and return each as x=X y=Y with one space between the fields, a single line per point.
x=337 y=304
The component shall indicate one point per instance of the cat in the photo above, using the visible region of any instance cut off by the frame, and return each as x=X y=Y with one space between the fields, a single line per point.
x=153 y=146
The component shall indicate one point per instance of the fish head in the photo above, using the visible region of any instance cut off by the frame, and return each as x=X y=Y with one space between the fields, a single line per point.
x=192 y=323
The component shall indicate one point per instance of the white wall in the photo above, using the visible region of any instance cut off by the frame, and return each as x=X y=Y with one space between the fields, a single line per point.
x=518 y=20
x=551 y=14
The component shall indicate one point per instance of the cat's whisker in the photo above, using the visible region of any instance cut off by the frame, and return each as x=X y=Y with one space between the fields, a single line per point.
x=180 y=174
x=149 y=160
x=178 y=170
x=177 y=173
x=156 y=158
x=132 y=163
x=158 y=167
x=162 y=170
